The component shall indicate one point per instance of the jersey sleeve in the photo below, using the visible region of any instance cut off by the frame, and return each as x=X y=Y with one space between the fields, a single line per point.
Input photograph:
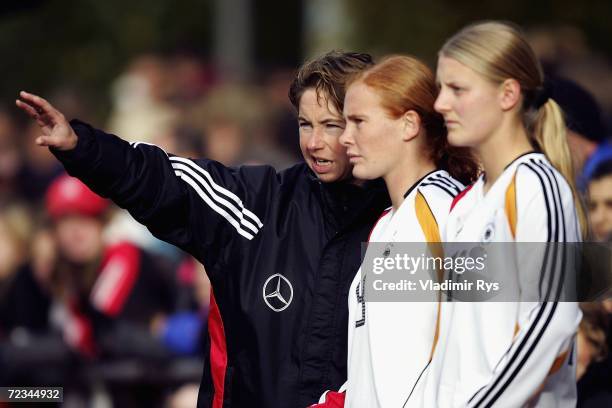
x=540 y=352
x=198 y=205
x=545 y=205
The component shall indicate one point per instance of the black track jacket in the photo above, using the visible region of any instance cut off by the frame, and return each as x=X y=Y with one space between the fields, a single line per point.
x=280 y=248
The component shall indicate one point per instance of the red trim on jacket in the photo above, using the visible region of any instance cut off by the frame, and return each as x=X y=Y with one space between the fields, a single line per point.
x=333 y=399
x=218 y=351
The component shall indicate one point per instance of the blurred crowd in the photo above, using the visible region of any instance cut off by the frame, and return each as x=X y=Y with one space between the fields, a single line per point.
x=90 y=301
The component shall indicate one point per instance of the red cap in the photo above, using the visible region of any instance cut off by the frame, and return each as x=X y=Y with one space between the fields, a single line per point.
x=68 y=195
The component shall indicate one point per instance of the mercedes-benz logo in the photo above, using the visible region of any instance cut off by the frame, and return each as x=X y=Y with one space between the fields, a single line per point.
x=277 y=292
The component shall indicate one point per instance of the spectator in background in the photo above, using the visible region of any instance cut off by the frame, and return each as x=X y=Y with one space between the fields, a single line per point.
x=594 y=368
x=583 y=117
x=234 y=120
x=106 y=291
x=602 y=154
x=593 y=364
x=139 y=99
x=592 y=339
x=190 y=78
x=185 y=331
x=183 y=140
x=27 y=341
x=283 y=125
x=599 y=200
x=23 y=301
x=565 y=50
x=112 y=300
x=146 y=99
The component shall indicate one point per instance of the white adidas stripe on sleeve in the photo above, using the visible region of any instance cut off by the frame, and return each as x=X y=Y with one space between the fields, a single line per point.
x=218 y=198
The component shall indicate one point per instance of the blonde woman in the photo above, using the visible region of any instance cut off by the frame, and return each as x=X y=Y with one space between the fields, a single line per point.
x=494 y=100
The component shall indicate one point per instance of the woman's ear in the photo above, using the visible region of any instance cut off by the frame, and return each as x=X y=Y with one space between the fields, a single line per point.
x=411 y=122
x=510 y=94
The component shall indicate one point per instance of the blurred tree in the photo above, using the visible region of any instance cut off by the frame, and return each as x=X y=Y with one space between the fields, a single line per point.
x=278 y=32
x=46 y=44
x=420 y=28
x=86 y=43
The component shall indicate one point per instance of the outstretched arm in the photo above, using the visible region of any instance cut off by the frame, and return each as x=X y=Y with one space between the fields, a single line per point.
x=199 y=205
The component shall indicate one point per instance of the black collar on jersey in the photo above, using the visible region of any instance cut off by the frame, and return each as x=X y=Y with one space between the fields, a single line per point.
x=484 y=174
x=419 y=182
x=518 y=157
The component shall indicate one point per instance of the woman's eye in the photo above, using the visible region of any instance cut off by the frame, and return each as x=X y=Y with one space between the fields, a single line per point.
x=334 y=129
x=305 y=125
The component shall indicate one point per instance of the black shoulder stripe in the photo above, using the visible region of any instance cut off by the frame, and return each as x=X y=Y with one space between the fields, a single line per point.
x=547 y=168
x=455 y=182
x=440 y=186
x=556 y=199
x=549 y=211
x=445 y=181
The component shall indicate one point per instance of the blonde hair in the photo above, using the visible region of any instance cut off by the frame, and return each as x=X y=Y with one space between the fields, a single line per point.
x=499 y=51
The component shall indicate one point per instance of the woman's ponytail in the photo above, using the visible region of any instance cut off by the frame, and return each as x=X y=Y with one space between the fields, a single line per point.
x=549 y=133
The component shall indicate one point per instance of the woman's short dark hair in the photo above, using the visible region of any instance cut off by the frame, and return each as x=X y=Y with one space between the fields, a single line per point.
x=328 y=75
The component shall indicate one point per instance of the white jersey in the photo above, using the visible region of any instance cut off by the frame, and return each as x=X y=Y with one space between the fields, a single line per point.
x=515 y=353
x=390 y=344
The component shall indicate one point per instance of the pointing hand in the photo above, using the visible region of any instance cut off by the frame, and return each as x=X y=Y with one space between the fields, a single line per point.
x=56 y=131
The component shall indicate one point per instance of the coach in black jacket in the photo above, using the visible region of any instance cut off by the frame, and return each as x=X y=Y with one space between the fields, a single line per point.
x=281 y=249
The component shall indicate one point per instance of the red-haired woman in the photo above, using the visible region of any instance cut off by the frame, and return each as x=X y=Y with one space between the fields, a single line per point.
x=394 y=133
